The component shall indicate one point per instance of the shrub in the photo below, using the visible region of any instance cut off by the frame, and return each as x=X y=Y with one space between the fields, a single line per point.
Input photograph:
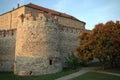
x=72 y=61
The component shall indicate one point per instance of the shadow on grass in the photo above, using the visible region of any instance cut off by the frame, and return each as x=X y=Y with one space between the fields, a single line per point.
x=11 y=76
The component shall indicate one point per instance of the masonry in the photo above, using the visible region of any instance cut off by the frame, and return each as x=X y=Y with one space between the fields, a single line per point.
x=40 y=42
x=7 y=49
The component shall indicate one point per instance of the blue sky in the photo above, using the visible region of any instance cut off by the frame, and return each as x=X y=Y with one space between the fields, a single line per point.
x=90 y=11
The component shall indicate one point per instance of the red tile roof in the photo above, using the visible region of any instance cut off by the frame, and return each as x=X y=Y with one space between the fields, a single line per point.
x=52 y=11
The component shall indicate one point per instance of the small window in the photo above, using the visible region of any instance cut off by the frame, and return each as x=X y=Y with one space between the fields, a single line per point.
x=15 y=25
x=6 y=27
x=6 y=18
x=33 y=13
x=15 y=14
x=55 y=17
x=2 y=19
x=50 y=62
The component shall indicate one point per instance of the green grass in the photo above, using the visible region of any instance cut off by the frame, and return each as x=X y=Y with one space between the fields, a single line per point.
x=11 y=76
x=107 y=68
x=96 y=76
x=6 y=76
x=114 y=70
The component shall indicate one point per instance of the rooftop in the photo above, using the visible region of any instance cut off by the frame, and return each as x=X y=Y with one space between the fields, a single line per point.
x=48 y=11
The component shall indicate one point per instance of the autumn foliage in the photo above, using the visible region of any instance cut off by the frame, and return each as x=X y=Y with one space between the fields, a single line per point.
x=103 y=43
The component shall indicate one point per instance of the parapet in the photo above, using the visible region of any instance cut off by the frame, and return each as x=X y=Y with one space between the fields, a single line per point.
x=29 y=16
x=52 y=19
x=10 y=32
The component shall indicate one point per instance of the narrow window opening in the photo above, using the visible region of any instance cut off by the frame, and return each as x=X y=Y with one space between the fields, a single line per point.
x=50 y=62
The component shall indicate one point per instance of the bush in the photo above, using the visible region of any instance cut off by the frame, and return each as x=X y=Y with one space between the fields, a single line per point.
x=72 y=61
x=83 y=64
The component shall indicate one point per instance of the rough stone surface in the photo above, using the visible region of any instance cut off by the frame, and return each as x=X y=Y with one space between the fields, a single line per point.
x=37 y=47
x=7 y=50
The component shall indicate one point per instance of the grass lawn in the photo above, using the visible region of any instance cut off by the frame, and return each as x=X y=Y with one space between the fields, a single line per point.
x=114 y=70
x=11 y=76
x=96 y=76
x=99 y=68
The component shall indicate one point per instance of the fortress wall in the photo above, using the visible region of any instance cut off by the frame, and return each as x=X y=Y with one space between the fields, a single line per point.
x=68 y=31
x=41 y=44
x=37 y=46
x=7 y=49
x=68 y=41
x=71 y=23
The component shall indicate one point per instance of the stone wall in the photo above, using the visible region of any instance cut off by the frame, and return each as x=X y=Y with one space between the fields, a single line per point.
x=71 y=23
x=7 y=49
x=68 y=41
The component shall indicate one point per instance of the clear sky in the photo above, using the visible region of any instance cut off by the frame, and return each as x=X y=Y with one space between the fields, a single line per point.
x=90 y=11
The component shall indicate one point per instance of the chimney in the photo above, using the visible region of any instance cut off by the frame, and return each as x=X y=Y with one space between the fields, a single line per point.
x=18 y=5
x=13 y=8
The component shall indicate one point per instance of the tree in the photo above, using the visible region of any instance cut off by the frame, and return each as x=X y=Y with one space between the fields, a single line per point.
x=103 y=42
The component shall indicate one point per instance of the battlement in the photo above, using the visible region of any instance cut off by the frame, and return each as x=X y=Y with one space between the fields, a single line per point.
x=6 y=33
x=50 y=19
x=44 y=17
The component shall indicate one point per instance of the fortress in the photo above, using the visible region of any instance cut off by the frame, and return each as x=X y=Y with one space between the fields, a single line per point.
x=35 y=40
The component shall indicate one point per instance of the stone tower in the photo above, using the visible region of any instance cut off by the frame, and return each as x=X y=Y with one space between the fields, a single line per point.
x=37 y=45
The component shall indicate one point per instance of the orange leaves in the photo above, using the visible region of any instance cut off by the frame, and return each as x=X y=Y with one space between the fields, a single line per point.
x=102 y=41
x=99 y=26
